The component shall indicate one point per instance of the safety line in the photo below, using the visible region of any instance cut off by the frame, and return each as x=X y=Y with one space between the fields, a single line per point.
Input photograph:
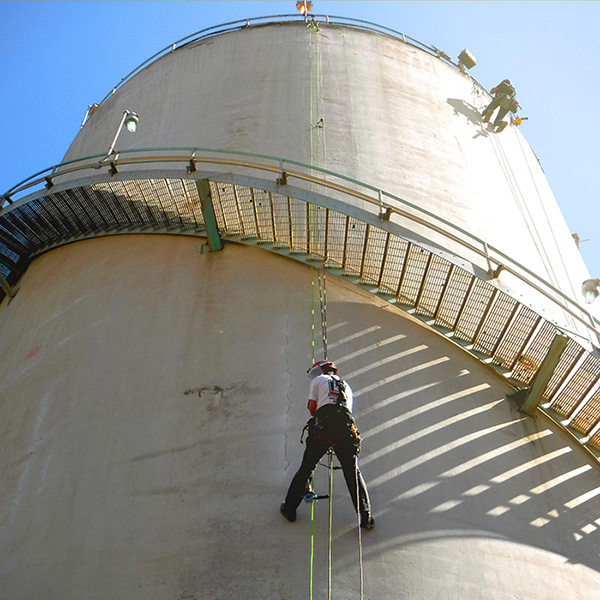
x=521 y=203
x=330 y=522
x=315 y=102
x=360 y=551
x=565 y=269
x=313 y=317
x=312 y=508
x=530 y=222
x=312 y=547
x=309 y=241
x=523 y=207
x=323 y=300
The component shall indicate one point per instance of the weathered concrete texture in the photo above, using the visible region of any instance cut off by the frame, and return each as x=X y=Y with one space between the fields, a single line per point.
x=394 y=117
x=152 y=397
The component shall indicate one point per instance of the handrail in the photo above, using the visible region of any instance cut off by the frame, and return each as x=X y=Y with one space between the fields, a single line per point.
x=278 y=164
x=240 y=24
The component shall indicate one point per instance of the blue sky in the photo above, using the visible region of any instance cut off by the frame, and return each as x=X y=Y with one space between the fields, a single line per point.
x=58 y=57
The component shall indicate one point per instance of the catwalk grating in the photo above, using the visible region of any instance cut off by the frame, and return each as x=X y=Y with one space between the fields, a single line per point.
x=474 y=313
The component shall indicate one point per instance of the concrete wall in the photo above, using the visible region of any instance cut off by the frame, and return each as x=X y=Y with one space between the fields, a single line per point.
x=152 y=397
x=152 y=394
x=394 y=117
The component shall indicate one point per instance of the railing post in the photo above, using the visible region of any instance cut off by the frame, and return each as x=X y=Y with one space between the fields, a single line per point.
x=384 y=214
x=283 y=176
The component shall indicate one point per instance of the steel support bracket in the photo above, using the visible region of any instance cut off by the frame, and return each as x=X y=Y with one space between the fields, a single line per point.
x=10 y=291
x=495 y=273
x=208 y=212
x=282 y=179
x=529 y=398
x=386 y=214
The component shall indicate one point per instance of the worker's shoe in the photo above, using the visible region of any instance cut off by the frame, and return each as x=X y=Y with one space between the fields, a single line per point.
x=367 y=521
x=289 y=515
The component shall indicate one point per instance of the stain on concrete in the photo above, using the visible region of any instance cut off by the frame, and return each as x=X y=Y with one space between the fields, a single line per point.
x=163 y=452
x=33 y=352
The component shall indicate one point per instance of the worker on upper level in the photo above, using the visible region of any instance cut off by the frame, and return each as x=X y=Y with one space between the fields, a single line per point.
x=504 y=98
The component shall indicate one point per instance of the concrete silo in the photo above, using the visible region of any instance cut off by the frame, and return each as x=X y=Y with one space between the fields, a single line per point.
x=153 y=383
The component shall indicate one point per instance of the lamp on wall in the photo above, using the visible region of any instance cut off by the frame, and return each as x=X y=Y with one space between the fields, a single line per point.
x=130 y=120
x=466 y=60
x=590 y=289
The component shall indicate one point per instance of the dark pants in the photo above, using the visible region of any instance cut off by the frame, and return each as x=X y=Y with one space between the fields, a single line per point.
x=495 y=103
x=315 y=450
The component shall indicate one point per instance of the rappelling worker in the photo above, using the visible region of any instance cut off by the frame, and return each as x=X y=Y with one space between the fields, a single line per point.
x=331 y=426
x=505 y=97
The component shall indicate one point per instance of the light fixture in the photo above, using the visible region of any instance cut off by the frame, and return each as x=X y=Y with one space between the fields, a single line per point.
x=466 y=60
x=590 y=289
x=130 y=120
x=304 y=7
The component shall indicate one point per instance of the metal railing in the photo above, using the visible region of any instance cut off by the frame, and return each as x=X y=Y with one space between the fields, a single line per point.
x=317 y=216
x=339 y=187
x=240 y=24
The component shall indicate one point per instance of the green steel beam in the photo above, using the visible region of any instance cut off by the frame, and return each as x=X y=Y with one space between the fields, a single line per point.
x=10 y=291
x=529 y=398
x=10 y=264
x=208 y=212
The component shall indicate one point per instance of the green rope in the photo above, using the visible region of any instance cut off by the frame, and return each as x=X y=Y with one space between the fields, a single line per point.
x=312 y=547
x=360 y=552
x=312 y=508
x=323 y=301
x=330 y=522
x=312 y=216
x=313 y=318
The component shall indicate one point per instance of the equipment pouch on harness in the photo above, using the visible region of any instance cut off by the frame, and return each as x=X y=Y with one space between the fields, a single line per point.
x=334 y=424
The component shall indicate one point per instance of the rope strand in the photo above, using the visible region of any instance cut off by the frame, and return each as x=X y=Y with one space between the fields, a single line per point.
x=312 y=547
x=330 y=521
x=323 y=299
x=360 y=553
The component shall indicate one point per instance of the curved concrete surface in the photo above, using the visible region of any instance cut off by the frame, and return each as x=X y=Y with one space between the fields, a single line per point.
x=152 y=397
x=393 y=115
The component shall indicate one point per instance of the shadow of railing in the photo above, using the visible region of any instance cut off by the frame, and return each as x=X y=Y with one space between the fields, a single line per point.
x=346 y=231
x=446 y=455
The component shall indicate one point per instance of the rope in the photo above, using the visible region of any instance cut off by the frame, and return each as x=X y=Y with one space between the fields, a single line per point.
x=323 y=301
x=360 y=552
x=312 y=510
x=312 y=547
x=330 y=522
x=313 y=319
x=519 y=198
x=316 y=140
x=531 y=175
